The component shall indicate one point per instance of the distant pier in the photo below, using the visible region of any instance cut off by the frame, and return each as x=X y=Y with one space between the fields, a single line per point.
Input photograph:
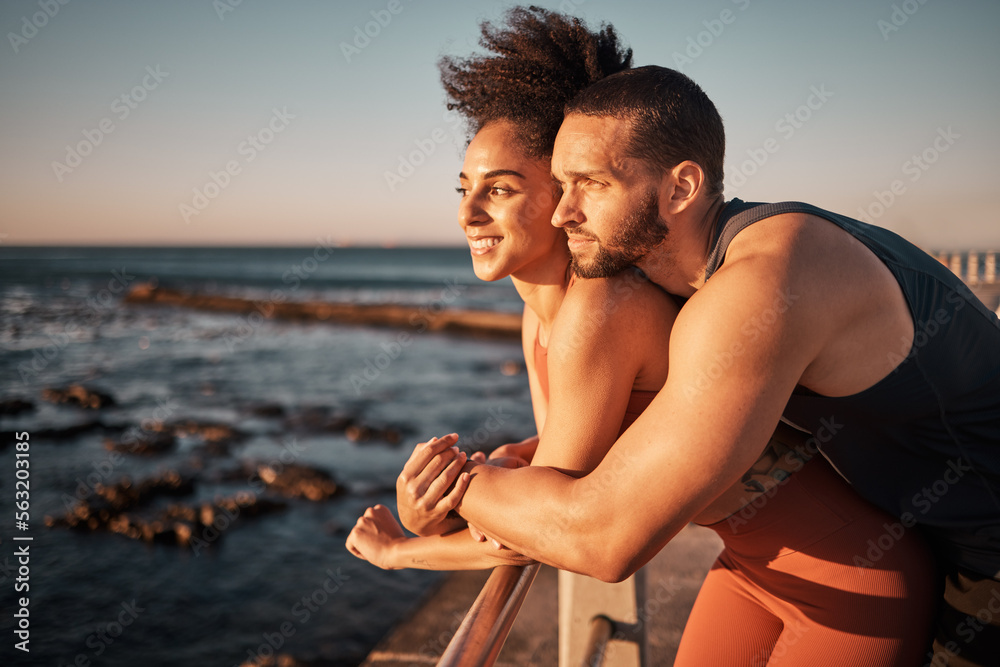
x=978 y=270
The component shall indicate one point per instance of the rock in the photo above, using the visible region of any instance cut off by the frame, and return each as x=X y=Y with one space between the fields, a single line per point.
x=77 y=394
x=126 y=495
x=270 y=410
x=177 y=524
x=280 y=660
x=15 y=406
x=295 y=480
x=210 y=433
x=319 y=419
x=148 y=444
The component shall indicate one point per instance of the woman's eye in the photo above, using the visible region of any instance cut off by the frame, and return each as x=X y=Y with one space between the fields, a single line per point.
x=462 y=191
x=498 y=190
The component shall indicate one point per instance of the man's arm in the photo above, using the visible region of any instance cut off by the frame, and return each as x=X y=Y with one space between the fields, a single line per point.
x=737 y=350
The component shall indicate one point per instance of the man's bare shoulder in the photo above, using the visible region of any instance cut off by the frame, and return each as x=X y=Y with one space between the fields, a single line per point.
x=833 y=297
x=800 y=245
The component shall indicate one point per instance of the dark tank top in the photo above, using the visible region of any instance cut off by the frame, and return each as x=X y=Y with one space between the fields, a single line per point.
x=923 y=443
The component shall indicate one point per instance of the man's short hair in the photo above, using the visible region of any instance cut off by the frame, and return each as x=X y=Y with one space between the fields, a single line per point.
x=671 y=119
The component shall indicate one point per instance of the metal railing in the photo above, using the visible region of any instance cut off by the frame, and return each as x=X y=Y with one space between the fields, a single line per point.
x=484 y=630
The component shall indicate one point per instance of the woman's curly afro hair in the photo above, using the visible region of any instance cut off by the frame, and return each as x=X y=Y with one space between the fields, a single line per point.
x=537 y=61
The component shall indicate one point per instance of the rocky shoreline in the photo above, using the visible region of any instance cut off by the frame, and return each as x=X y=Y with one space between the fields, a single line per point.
x=436 y=317
x=153 y=509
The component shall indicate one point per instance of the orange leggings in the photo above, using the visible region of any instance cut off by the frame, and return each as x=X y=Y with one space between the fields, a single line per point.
x=813 y=575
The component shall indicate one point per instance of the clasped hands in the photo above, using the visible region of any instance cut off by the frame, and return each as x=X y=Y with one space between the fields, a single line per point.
x=430 y=486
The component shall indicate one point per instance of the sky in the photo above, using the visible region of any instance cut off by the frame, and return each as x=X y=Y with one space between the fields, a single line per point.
x=248 y=122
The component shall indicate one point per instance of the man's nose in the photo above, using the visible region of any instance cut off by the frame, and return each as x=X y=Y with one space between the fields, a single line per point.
x=567 y=213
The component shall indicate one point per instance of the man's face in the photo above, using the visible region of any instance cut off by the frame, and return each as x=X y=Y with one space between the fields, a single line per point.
x=610 y=203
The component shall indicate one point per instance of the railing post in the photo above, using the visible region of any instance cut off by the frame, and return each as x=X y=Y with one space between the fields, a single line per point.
x=956 y=264
x=581 y=599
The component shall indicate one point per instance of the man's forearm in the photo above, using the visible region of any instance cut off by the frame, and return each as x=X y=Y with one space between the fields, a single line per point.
x=535 y=511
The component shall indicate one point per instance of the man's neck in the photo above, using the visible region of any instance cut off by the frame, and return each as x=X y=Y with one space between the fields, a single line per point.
x=678 y=264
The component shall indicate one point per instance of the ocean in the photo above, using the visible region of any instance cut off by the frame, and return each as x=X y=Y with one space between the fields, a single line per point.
x=277 y=583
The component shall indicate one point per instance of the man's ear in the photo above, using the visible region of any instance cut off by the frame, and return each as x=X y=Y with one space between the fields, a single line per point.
x=681 y=186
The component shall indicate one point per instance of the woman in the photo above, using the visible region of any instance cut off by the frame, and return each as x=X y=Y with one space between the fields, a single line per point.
x=788 y=585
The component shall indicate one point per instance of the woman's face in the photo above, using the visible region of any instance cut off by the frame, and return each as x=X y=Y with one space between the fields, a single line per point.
x=506 y=208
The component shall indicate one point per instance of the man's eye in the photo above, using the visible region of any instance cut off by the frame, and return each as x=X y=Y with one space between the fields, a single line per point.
x=462 y=191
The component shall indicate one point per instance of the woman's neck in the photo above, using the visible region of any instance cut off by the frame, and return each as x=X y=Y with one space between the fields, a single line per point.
x=543 y=289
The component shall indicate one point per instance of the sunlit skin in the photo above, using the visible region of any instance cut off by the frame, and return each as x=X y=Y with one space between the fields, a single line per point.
x=839 y=338
x=593 y=366
x=505 y=213
x=600 y=187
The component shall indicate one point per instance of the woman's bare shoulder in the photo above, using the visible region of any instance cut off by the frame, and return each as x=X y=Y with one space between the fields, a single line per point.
x=609 y=310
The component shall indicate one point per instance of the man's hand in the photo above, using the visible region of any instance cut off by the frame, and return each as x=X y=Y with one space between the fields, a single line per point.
x=422 y=488
x=373 y=536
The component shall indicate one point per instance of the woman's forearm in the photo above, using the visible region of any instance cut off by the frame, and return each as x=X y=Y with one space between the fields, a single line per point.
x=454 y=551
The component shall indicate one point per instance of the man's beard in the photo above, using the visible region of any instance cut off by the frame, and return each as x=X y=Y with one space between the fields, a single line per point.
x=641 y=231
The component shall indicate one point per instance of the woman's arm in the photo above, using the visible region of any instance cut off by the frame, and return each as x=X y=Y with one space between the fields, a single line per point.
x=378 y=538
x=609 y=338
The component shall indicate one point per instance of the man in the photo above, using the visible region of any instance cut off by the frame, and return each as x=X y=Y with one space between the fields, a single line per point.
x=846 y=329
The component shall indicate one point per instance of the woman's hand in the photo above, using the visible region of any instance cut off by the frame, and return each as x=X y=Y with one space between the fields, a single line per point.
x=422 y=488
x=522 y=451
x=374 y=535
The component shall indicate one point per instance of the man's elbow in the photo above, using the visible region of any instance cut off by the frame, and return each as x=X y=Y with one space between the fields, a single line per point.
x=596 y=559
x=614 y=569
